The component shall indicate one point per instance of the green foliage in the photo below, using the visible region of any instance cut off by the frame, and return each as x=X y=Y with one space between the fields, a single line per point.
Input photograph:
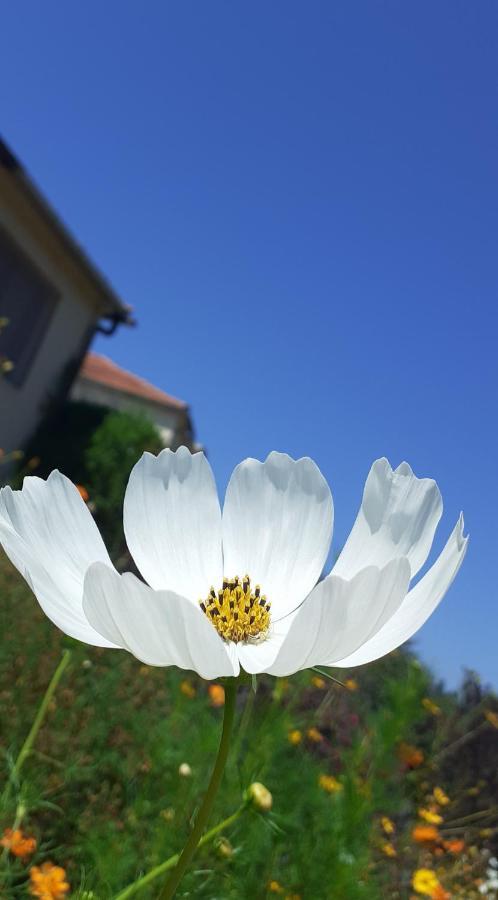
x=103 y=796
x=114 y=448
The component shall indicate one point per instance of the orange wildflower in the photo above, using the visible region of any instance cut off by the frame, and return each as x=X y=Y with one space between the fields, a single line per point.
x=48 y=882
x=16 y=843
x=430 y=815
x=456 y=845
x=187 y=688
x=318 y=682
x=295 y=737
x=83 y=492
x=425 y=833
x=330 y=784
x=410 y=756
x=439 y=893
x=314 y=735
x=351 y=684
x=216 y=694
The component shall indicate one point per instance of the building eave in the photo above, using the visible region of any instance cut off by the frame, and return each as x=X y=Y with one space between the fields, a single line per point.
x=112 y=307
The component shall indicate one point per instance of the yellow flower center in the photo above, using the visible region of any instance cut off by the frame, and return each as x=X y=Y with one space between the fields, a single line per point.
x=237 y=612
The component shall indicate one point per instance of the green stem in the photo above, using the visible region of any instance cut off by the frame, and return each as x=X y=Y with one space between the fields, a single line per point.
x=244 y=725
x=42 y=711
x=173 y=860
x=188 y=851
x=33 y=734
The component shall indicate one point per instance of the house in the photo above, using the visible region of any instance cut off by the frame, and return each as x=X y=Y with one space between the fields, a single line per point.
x=102 y=382
x=52 y=301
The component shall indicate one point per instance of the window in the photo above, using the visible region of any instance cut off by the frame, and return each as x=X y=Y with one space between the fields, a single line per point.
x=27 y=301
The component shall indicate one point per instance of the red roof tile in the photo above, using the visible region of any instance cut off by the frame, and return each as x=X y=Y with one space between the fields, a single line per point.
x=103 y=370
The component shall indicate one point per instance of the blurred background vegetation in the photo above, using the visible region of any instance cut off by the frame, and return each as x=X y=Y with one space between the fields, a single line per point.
x=375 y=781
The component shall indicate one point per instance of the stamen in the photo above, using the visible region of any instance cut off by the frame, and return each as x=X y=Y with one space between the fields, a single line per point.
x=237 y=613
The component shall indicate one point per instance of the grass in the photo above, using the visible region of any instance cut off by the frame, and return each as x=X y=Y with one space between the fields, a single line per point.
x=102 y=794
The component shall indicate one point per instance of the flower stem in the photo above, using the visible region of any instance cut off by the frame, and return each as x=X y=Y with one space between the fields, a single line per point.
x=207 y=804
x=38 y=722
x=173 y=860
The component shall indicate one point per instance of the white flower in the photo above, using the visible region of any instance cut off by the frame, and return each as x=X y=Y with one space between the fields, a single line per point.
x=237 y=589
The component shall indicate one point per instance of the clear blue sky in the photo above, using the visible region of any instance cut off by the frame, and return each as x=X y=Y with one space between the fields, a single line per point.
x=301 y=202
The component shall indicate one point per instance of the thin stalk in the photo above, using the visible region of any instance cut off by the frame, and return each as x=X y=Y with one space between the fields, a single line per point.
x=188 y=851
x=173 y=860
x=38 y=722
x=244 y=724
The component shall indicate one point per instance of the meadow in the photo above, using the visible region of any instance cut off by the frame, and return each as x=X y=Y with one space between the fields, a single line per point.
x=382 y=786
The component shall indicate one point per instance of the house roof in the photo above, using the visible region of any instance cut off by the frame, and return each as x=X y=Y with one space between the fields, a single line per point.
x=102 y=370
x=114 y=307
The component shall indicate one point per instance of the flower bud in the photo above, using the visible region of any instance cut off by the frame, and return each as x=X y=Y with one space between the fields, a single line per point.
x=260 y=797
x=184 y=770
x=224 y=848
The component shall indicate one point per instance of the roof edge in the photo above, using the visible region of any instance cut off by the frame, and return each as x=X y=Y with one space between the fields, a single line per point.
x=119 y=312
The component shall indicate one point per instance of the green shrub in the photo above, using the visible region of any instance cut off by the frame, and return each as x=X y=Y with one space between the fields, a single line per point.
x=114 y=448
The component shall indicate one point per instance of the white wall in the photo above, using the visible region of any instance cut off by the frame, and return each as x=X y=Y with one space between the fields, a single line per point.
x=169 y=422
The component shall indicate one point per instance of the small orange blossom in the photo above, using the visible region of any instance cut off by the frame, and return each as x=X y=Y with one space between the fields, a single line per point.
x=48 y=882
x=16 y=843
x=216 y=694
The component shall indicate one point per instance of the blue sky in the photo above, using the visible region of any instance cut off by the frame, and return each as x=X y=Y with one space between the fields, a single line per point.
x=301 y=202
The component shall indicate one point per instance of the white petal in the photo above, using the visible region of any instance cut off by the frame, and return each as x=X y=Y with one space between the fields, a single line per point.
x=398 y=517
x=418 y=605
x=336 y=618
x=50 y=536
x=172 y=522
x=277 y=527
x=158 y=627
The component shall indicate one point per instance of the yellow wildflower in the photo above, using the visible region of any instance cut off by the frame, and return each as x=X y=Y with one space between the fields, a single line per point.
x=314 y=735
x=351 y=684
x=425 y=882
x=16 y=843
x=330 y=784
x=387 y=825
x=425 y=833
x=318 y=682
x=295 y=737
x=187 y=688
x=492 y=718
x=48 y=882
x=275 y=888
x=388 y=849
x=431 y=816
x=440 y=797
x=431 y=707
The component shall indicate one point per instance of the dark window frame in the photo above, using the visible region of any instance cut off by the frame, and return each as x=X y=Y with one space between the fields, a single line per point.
x=40 y=300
